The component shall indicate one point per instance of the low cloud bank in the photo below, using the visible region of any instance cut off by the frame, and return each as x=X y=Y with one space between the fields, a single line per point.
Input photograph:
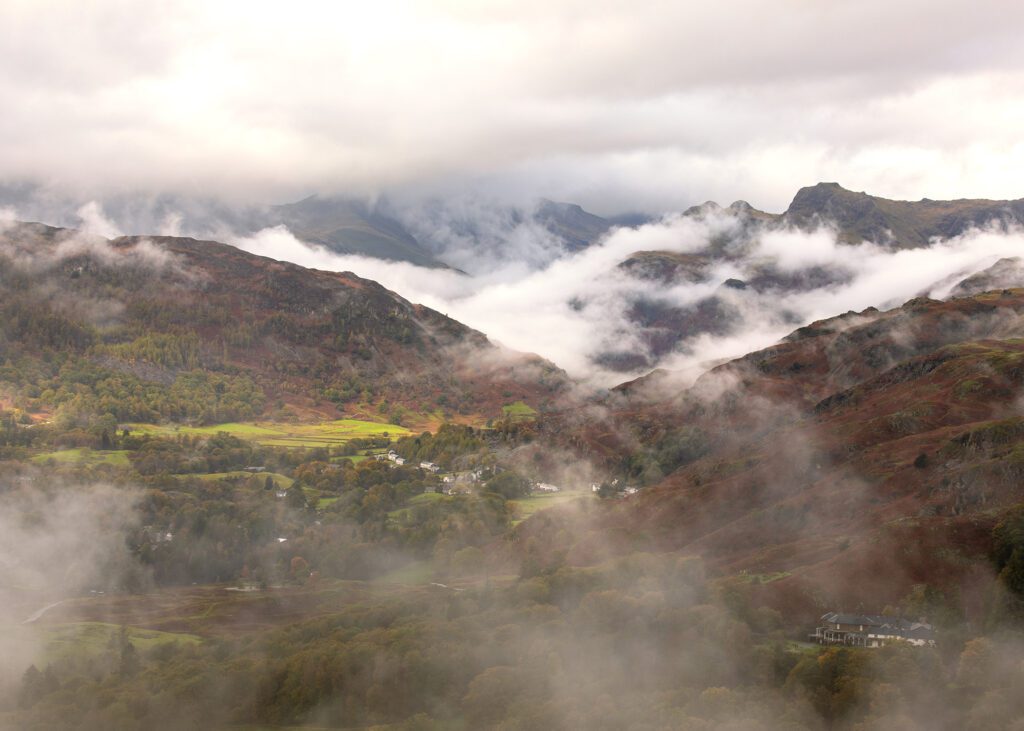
x=577 y=307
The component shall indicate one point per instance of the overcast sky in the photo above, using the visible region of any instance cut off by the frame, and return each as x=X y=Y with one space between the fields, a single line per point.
x=616 y=105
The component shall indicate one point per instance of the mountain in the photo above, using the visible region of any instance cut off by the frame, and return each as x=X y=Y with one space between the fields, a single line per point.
x=350 y=227
x=577 y=227
x=1007 y=272
x=861 y=456
x=147 y=326
x=870 y=462
x=743 y=278
x=897 y=224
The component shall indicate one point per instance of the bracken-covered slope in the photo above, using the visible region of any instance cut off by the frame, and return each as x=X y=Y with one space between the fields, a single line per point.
x=155 y=316
x=861 y=456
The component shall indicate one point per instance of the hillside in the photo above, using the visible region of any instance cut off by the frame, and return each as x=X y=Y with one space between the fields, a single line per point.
x=274 y=573
x=350 y=227
x=144 y=324
x=759 y=281
x=899 y=224
x=861 y=456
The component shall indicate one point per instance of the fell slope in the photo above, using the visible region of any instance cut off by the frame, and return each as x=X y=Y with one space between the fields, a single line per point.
x=165 y=313
x=861 y=456
x=351 y=227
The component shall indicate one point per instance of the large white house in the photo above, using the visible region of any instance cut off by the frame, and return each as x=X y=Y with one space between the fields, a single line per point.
x=871 y=630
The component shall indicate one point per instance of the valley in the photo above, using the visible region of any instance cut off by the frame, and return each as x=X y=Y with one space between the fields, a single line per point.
x=290 y=497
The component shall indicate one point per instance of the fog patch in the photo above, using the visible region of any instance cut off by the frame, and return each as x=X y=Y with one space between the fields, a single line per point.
x=95 y=222
x=58 y=542
x=578 y=308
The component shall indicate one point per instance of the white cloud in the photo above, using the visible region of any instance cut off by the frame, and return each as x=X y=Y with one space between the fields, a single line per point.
x=575 y=308
x=619 y=105
x=95 y=223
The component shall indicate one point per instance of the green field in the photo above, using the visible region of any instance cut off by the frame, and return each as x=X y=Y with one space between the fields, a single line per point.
x=421 y=499
x=527 y=506
x=280 y=434
x=85 y=456
x=417 y=572
x=92 y=638
x=279 y=479
x=519 y=411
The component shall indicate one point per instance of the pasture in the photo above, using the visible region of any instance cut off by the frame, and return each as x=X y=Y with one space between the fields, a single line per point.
x=282 y=434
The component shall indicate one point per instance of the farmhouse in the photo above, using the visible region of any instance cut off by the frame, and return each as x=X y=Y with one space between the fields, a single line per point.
x=429 y=466
x=870 y=630
x=545 y=487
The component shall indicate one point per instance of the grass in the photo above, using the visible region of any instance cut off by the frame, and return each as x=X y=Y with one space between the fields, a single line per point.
x=356 y=458
x=93 y=638
x=280 y=434
x=85 y=456
x=421 y=499
x=527 y=506
x=764 y=578
x=417 y=572
x=279 y=479
x=519 y=411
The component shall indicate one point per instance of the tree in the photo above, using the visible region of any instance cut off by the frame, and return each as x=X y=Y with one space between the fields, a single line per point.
x=509 y=485
x=296 y=498
x=128 y=659
x=299 y=568
x=467 y=560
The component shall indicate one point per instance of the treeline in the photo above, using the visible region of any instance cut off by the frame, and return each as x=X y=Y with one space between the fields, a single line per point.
x=454 y=446
x=641 y=642
x=82 y=391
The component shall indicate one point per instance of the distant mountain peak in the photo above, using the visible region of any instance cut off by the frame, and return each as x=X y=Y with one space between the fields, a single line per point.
x=859 y=216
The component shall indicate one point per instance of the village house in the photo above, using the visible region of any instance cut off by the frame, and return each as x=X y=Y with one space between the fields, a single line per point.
x=871 y=630
x=429 y=466
x=156 y=535
x=546 y=487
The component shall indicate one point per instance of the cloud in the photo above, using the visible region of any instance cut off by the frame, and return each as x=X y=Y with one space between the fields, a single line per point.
x=57 y=542
x=619 y=105
x=38 y=253
x=576 y=308
x=95 y=223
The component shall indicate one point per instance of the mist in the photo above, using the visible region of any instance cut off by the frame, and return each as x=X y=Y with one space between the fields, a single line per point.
x=57 y=542
x=574 y=307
